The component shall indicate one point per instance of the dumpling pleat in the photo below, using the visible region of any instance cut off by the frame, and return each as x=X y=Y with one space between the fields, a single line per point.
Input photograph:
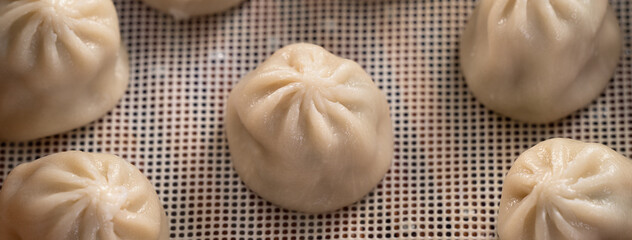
x=534 y=167
x=291 y=121
x=50 y=58
x=523 y=184
x=62 y=180
x=262 y=111
x=541 y=220
x=593 y=213
x=352 y=97
x=319 y=129
x=342 y=74
x=354 y=126
x=115 y=175
x=89 y=223
x=129 y=224
x=135 y=199
x=585 y=164
x=22 y=53
x=14 y=13
x=270 y=82
x=595 y=187
x=523 y=214
x=83 y=167
x=556 y=156
x=68 y=222
x=92 y=30
x=548 y=20
x=46 y=204
x=86 y=8
x=82 y=54
x=561 y=219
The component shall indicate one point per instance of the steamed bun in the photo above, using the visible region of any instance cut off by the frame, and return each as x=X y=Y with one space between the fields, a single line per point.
x=566 y=189
x=61 y=65
x=76 y=195
x=539 y=61
x=183 y=9
x=309 y=131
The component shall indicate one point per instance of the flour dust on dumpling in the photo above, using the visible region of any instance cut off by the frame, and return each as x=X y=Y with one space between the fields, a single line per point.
x=309 y=131
x=539 y=61
x=78 y=196
x=566 y=189
x=61 y=65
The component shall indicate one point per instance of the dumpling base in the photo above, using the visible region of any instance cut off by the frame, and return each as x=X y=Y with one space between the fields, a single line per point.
x=184 y=9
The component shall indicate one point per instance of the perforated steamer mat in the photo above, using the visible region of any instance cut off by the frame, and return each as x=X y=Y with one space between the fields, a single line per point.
x=451 y=153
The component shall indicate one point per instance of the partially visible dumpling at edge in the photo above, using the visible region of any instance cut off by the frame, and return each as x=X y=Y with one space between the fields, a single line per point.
x=184 y=9
x=566 y=189
x=79 y=196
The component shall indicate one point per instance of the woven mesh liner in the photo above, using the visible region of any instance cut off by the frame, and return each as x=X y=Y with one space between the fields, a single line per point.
x=451 y=153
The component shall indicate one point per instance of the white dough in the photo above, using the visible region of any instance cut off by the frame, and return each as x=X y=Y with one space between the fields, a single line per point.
x=309 y=131
x=61 y=65
x=566 y=189
x=77 y=196
x=183 y=9
x=538 y=61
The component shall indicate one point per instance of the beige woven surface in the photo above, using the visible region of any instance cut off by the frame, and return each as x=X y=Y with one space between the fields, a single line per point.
x=450 y=152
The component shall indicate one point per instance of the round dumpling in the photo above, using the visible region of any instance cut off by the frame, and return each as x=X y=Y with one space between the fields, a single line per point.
x=183 y=9
x=539 y=61
x=567 y=189
x=61 y=65
x=77 y=195
x=309 y=131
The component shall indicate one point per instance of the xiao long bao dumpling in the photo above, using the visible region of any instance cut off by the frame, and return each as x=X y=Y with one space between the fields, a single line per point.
x=76 y=196
x=567 y=189
x=61 y=65
x=183 y=9
x=539 y=61
x=309 y=131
